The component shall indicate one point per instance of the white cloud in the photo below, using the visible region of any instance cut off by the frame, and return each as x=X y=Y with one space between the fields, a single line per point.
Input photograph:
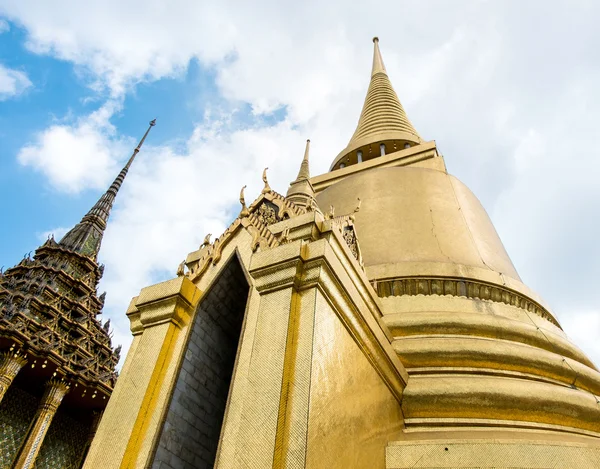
x=583 y=328
x=12 y=82
x=77 y=156
x=171 y=200
x=57 y=233
x=4 y=26
x=515 y=124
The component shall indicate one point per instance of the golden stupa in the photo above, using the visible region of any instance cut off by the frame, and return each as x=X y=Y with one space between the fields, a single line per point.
x=370 y=319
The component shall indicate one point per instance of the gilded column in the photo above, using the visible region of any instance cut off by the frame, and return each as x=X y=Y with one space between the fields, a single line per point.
x=56 y=389
x=159 y=317
x=11 y=363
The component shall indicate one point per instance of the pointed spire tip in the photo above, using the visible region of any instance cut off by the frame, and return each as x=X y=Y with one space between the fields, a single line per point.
x=378 y=66
x=94 y=222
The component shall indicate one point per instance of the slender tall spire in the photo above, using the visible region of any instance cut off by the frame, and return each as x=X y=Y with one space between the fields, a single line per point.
x=86 y=237
x=378 y=66
x=304 y=172
x=382 y=120
x=301 y=191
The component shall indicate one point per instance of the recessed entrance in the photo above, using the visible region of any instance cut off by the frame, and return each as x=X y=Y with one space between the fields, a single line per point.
x=190 y=434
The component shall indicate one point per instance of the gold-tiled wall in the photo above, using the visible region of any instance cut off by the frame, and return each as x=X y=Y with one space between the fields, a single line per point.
x=352 y=414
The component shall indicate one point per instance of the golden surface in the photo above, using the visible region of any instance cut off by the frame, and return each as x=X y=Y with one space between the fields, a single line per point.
x=461 y=287
x=291 y=440
x=393 y=228
x=278 y=388
x=131 y=421
x=424 y=155
x=301 y=191
x=11 y=363
x=382 y=119
x=456 y=396
x=458 y=365
x=495 y=363
x=490 y=454
x=352 y=413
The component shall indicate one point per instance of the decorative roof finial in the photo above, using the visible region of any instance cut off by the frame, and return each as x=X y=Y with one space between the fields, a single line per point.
x=85 y=237
x=304 y=172
x=245 y=212
x=267 y=188
x=206 y=241
x=301 y=191
x=181 y=269
x=357 y=209
x=378 y=66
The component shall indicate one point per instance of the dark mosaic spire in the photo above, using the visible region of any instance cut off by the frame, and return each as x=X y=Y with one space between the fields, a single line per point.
x=85 y=237
x=49 y=308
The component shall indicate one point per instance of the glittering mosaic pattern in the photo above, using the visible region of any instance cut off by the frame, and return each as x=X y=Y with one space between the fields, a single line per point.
x=16 y=412
x=64 y=443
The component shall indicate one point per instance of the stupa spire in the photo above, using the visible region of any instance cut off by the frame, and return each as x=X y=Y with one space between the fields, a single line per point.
x=378 y=66
x=383 y=126
x=304 y=172
x=85 y=237
x=301 y=191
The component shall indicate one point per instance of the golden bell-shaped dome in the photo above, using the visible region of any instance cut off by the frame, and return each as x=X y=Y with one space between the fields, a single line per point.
x=483 y=352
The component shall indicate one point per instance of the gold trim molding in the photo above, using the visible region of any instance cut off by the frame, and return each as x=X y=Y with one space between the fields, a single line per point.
x=413 y=286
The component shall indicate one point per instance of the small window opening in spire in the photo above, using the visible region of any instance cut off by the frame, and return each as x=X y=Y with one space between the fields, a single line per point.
x=407 y=145
x=342 y=165
x=382 y=149
x=359 y=156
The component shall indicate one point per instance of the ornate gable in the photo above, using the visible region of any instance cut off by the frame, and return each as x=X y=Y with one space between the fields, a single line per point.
x=269 y=208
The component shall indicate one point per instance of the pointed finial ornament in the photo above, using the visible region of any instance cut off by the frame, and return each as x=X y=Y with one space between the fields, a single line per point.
x=304 y=172
x=206 y=241
x=244 y=212
x=267 y=188
x=357 y=209
x=378 y=66
x=85 y=237
x=181 y=269
x=382 y=122
x=301 y=191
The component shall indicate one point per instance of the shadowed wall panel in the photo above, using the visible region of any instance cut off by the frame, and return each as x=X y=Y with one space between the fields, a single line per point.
x=192 y=426
x=16 y=413
x=65 y=442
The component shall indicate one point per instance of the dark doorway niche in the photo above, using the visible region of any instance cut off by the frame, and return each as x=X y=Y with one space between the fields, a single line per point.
x=191 y=430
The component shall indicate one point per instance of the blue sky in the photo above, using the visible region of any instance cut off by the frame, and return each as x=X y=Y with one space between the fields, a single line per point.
x=237 y=87
x=61 y=92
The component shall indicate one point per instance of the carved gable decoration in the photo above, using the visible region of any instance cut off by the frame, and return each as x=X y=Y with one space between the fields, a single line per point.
x=267 y=213
x=269 y=208
x=345 y=223
x=350 y=238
